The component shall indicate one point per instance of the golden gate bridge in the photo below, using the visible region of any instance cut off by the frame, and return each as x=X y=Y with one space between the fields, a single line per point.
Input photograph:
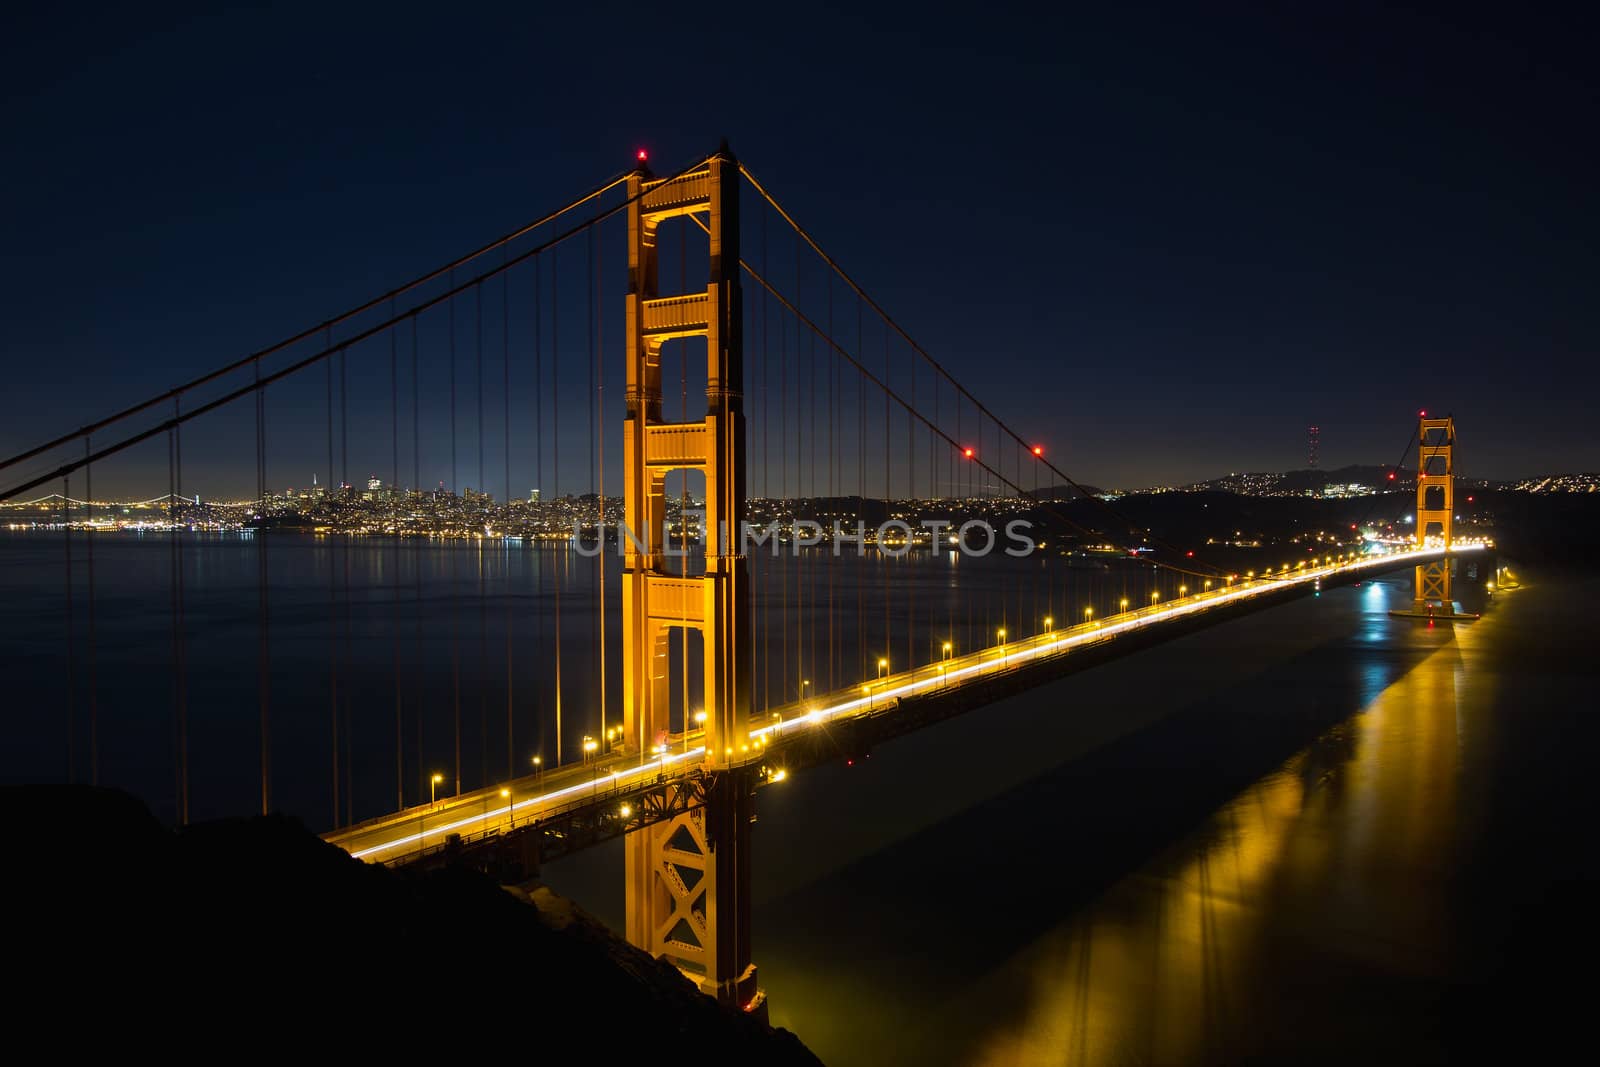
x=716 y=668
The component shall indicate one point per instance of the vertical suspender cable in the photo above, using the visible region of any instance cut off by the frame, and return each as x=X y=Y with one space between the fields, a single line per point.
x=555 y=457
x=416 y=557
x=596 y=653
x=505 y=429
x=483 y=589
x=344 y=551
x=333 y=607
x=600 y=402
x=182 y=650
x=538 y=478
x=833 y=497
x=394 y=534
x=263 y=665
x=455 y=619
x=72 y=672
x=88 y=575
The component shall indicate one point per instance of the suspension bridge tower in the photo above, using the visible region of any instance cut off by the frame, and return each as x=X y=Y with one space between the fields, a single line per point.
x=1436 y=439
x=688 y=878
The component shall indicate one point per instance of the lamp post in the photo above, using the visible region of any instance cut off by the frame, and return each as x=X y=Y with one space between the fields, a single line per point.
x=1088 y=614
x=700 y=721
x=538 y=768
x=803 y=683
x=1049 y=624
x=883 y=668
x=590 y=746
x=511 y=817
x=1124 y=605
x=433 y=788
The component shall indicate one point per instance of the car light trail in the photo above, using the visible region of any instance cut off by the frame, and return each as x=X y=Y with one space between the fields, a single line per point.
x=878 y=699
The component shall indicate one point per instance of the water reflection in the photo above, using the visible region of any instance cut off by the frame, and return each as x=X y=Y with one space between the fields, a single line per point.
x=1314 y=884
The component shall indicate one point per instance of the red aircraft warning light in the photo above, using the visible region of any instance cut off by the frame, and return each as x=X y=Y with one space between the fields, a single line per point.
x=967 y=452
x=1038 y=450
x=644 y=156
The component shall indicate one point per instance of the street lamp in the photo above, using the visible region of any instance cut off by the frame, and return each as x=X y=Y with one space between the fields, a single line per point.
x=1124 y=605
x=433 y=788
x=538 y=768
x=883 y=668
x=590 y=746
x=1002 y=633
x=803 y=683
x=1182 y=589
x=1049 y=624
x=505 y=794
x=944 y=661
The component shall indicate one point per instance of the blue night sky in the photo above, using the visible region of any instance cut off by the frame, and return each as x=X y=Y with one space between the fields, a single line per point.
x=1163 y=242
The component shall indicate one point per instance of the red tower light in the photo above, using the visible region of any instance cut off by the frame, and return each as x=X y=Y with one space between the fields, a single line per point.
x=1038 y=450
x=644 y=156
x=967 y=452
x=1422 y=414
x=1391 y=476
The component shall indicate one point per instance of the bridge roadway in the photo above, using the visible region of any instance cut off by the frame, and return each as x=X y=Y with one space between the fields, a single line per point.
x=611 y=794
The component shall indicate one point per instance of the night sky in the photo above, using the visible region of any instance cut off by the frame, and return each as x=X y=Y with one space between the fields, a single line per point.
x=1164 y=242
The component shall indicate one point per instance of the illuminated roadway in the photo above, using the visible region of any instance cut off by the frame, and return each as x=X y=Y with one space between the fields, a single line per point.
x=487 y=812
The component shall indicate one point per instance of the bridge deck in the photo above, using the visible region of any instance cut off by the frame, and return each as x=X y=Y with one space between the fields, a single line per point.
x=621 y=792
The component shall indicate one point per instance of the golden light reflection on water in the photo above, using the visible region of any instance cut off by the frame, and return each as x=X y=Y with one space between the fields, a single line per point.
x=1315 y=874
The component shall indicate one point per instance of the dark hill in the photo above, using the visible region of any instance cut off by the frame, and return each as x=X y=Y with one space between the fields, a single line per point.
x=255 y=931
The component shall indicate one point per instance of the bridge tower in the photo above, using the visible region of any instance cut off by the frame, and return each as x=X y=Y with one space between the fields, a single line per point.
x=1436 y=439
x=688 y=878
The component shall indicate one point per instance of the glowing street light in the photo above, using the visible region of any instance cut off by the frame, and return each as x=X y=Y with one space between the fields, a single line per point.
x=590 y=746
x=1182 y=589
x=505 y=795
x=538 y=768
x=1124 y=604
x=1049 y=624
x=803 y=683
x=1088 y=613
x=883 y=668
x=948 y=650
x=433 y=788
